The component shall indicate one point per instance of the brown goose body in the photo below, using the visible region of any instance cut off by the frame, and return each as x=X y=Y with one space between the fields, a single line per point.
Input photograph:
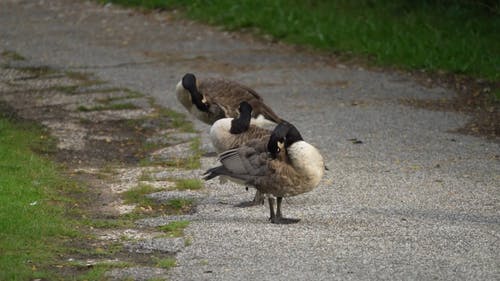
x=230 y=133
x=224 y=141
x=212 y=99
x=222 y=138
x=282 y=166
x=279 y=177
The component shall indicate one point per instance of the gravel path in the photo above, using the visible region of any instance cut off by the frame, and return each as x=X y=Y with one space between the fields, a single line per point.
x=412 y=201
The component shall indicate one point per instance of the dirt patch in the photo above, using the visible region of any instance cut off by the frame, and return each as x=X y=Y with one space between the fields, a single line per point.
x=478 y=98
x=474 y=97
x=113 y=141
x=105 y=137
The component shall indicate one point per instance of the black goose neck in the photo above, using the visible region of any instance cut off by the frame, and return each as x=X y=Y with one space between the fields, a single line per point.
x=285 y=133
x=242 y=123
x=292 y=136
x=189 y=83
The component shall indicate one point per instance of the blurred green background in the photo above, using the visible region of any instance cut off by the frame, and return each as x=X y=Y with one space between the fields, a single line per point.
x=456 y=36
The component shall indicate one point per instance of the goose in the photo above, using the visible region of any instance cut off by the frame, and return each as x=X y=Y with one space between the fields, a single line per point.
x=230 y=133
x=212 y=99
x=283 y=166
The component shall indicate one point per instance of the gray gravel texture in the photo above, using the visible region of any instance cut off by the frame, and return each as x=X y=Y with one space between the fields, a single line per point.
x=414 y=201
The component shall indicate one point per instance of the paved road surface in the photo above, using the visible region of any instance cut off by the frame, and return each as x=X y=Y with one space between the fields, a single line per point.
x=413 y=201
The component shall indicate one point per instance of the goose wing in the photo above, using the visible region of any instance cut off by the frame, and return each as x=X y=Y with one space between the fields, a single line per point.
x=252 y=133
x=246 y=160
x=227 y=95
x=244 y=163
x=260 y=108
x=216 y=87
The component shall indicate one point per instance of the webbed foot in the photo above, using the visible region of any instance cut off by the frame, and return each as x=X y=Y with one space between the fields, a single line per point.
x=277 y=217
x=277 y=220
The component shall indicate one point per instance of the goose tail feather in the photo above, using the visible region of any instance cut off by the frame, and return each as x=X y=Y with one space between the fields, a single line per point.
x=214 y=172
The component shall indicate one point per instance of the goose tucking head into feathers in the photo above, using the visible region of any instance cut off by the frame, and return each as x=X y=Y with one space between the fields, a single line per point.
x=211 y=99
x=283 y=165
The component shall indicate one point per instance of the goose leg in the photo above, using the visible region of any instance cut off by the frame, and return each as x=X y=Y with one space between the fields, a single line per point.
x=278 y=218
x=257 y=201
x=259 y=198
x=278 y=208
x=272 y=216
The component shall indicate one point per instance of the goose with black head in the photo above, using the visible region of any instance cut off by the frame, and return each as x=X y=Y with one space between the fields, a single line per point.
x=282 y=166
x=212 y=99
x=230 y=133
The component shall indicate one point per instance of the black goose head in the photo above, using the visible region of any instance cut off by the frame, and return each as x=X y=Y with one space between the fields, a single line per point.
x=245 y=107
x=241 y=124
x=189 y=83
x=284 y=133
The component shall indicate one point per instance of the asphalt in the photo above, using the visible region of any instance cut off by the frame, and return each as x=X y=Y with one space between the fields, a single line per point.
x=413 y=201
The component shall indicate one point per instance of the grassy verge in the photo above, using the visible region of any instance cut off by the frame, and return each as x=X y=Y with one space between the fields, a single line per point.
x=188 y=184
x=147 y=205
x=116 y=106
x=33 y=222
x=175 y=228
x=455 y=36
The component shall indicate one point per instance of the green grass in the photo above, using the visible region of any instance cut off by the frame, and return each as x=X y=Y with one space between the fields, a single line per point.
x=108 y=100
x=190 y=163
x=191 y=184
x=177 y=120
x=81 y=76
x=171 y=119
x=12 y=55
x=146 y=205
x=109 y=223
x=38 y=71
x=33 y=223
x=456 y=36
x=166 y=263
x=115 y=106
x=98 y=271
x=137 y=195
x=180 y=204
x=175 y=228
x=496 y=95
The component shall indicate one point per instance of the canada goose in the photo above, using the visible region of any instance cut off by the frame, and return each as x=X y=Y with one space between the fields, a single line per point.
x=212 y=99
x=229 y=133
x=283 y=166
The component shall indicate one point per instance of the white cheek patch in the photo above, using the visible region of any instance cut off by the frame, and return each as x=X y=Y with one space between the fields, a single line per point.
x=179 y=86
x=281 y=145
x=183 y=96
